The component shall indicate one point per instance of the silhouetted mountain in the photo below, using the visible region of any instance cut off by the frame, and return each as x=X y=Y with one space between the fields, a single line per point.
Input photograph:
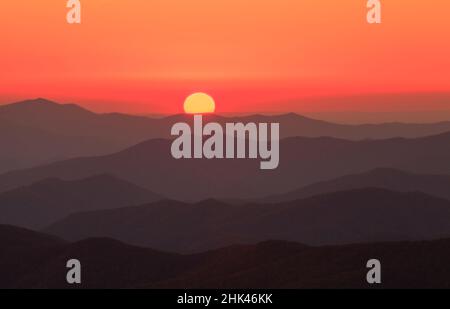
x=40 y=131
x=16 y=238
x=294 y=125
x=365 y=215
x=44 y=202
x=436 y=185
x=107 y=263
x=24 y=146
x=303 y=161
x=289 y=265
x=73 y=120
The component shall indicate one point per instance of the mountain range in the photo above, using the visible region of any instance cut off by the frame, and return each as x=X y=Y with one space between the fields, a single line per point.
x=35 y=260
x=40 y=131
x=42 y=203
x=46 y=201
x=303 y=161
x=356 y=216
x=387 y=178
x=105 y=188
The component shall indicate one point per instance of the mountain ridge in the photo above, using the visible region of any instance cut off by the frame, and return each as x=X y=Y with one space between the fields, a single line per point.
x=48 y=200
x=108 y=263
x=41 y=131
x=303 y=161
x=345 y=217
x=388 y=178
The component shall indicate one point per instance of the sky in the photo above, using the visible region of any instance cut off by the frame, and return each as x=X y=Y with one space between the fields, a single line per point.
x=146 y=56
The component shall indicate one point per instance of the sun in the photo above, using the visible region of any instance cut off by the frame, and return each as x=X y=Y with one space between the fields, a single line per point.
x=199 y=103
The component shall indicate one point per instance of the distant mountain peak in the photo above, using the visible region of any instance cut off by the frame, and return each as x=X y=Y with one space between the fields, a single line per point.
x=43 y=100
x=40 y=101
x=44 y=105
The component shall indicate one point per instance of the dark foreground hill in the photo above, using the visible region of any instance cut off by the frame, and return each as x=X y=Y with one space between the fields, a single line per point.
x=46 y=201
x=358 y=216
x=40 y=262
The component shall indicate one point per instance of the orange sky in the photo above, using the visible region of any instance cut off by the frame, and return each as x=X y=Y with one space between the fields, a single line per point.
x=250 y=55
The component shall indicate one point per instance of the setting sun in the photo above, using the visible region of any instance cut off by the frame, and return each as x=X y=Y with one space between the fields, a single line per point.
x=199 y=103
